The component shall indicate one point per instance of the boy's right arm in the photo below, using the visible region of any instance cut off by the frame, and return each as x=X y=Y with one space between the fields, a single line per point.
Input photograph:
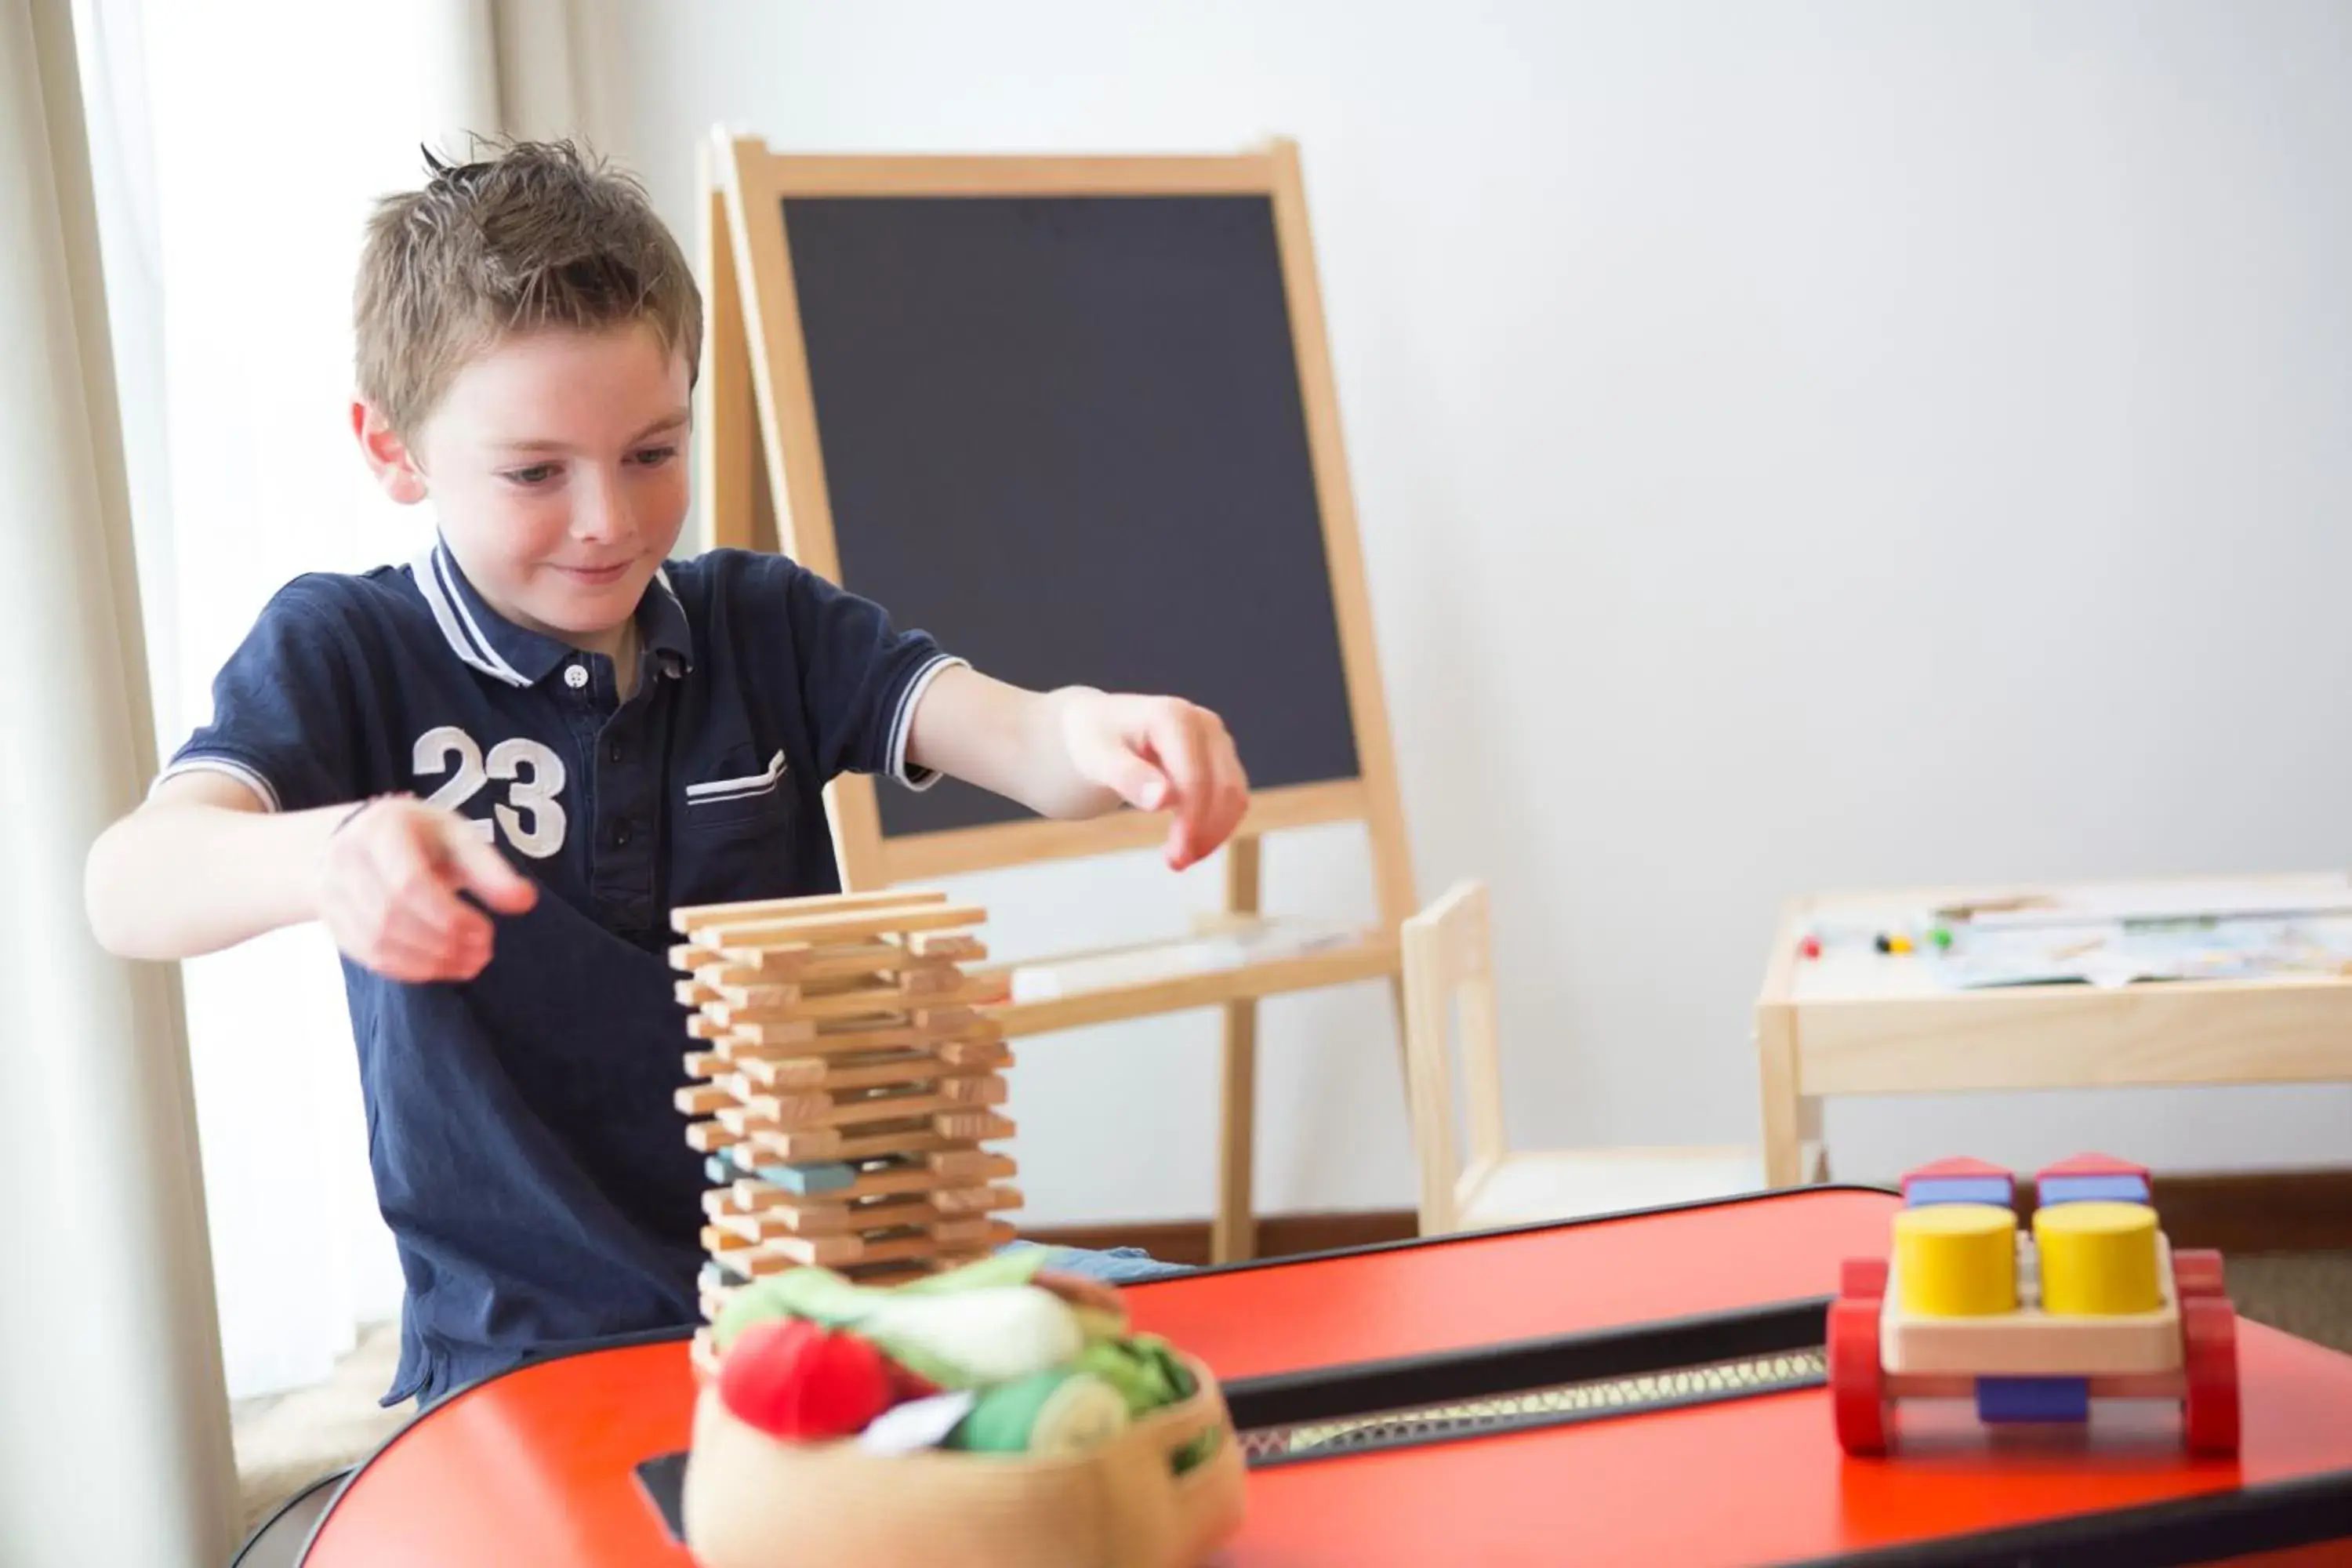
x=204 y=865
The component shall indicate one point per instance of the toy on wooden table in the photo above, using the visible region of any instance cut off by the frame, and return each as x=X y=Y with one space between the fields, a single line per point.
x=845 y=1089
x=2095 y=1304
x=876 y=1388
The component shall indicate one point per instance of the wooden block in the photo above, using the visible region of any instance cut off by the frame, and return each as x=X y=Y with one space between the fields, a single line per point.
x=815 y=907
x=936 y=1009
x=842 y=1038
x=702 y=1027
x=721 y=974
x=882 y=1180
x=765 y=997
x=755 y=1259
x=686 y=955
x=960 y=947
x=789 y=1112
x=978 y=1053
x=976 y=1200
x=974 y=1125
x=704 y=1137
x=844 y=1072
x=866 y=1072
x=830 y=1143
x=694 y=993
x=898 y=1213
x=965 y=1163
x=948 y=1020
x=930 y=982
x=825 y=1251
x=971 y=1232
x=702 y=1099
x=705 y=1064
x=782 y=1032
x=987 y=1088
x=752 y=937
x=2030 y=1342
x=761 y=1227
x=810 y=967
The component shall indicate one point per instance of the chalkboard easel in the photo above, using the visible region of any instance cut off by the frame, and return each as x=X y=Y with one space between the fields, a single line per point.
x=1075 y=416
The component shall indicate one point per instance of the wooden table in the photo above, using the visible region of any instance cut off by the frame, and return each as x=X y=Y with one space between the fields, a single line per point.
x=1856 y=1021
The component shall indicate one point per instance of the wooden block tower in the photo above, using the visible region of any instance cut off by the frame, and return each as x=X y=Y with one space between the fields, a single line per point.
x=844 y=1087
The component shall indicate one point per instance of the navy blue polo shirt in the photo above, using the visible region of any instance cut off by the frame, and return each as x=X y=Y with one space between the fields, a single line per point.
x=526 y=1151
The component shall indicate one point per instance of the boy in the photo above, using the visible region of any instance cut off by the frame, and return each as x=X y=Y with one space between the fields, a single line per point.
x=492 y=773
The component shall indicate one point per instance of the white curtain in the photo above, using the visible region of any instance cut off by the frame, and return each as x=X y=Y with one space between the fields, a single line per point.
x=114 y=1446
x=239 y=146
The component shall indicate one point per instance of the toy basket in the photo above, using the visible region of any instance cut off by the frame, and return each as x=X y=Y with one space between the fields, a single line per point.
x=755 y=1501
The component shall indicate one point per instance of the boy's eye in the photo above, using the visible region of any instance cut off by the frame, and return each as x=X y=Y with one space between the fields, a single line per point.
x=653 y=456
x=537 y=474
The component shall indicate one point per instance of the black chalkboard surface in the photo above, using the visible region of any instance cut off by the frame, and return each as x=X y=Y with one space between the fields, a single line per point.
x=1064 y=435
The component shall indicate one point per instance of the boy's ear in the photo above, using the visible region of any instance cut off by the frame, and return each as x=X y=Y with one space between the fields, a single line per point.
x=387 y=454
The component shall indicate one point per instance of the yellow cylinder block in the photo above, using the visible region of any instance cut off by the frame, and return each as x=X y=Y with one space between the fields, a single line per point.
x=1957 y=1260
x=2098 y=1259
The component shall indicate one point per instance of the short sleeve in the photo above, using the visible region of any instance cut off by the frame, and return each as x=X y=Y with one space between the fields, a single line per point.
x=285 y=706
x=860 y=677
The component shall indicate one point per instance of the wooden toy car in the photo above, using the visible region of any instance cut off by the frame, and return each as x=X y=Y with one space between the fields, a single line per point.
x=2093 y=1304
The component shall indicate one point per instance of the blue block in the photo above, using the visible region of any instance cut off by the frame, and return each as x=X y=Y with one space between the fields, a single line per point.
x=827 y=1177
x=2091 y=1189
x=718 y=1168
x=2002 y=1399
x=1924 y=1190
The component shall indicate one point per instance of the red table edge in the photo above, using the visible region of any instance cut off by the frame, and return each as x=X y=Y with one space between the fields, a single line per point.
x=659 y=1336
x=2173 y=1518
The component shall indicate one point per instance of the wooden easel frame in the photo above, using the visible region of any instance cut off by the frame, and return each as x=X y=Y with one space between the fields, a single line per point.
x=763 y=486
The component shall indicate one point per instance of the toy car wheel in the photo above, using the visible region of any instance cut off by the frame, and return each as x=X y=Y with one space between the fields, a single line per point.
x=2197 y=1272
x=1862 y=1279
x=1857 y=1381
x=2209 y=1347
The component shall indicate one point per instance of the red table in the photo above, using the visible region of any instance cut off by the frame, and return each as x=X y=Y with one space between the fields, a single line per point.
x=538 y=1466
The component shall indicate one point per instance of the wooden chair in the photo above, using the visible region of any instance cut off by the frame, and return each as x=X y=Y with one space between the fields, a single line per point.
x=1449 y=968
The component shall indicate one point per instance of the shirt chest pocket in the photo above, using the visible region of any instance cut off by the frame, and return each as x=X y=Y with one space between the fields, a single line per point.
x=740 y=804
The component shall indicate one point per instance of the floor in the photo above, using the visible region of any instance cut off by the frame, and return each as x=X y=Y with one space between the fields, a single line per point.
x=283 y=1443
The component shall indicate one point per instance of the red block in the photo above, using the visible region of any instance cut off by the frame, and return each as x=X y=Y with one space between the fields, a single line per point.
x=1960 y=1165
x=2088 y=1164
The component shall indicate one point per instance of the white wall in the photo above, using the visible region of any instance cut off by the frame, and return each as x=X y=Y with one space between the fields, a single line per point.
x=1798 y=445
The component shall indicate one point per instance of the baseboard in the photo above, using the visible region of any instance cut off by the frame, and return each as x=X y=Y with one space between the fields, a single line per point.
x=2260 y=1211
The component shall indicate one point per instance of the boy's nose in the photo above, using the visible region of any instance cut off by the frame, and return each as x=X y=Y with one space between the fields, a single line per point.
x=600 y=511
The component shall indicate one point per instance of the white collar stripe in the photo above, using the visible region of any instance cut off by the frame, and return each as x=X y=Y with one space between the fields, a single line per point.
x=497 y=664
x=441 y=599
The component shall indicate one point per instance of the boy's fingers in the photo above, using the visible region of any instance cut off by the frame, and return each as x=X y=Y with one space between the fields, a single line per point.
x=1178 y=736
x=484 y=872
x=1112 y=762
x=363 y=929
x=458 y=945
x=410 y=864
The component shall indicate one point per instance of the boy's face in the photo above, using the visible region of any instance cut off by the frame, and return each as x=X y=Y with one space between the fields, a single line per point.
x=557 y=467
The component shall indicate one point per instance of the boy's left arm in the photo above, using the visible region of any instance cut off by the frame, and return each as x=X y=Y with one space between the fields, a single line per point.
x=1078 y=752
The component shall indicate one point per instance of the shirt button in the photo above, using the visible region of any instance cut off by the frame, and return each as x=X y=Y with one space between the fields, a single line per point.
x=575 y=675
x=620 y=834
x=612 y=752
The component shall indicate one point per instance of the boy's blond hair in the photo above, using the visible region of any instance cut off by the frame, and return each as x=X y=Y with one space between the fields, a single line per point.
x=540 y=234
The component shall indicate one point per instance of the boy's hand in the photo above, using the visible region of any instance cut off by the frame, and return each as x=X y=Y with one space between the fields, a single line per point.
x=388 y=887
x=1161 y=753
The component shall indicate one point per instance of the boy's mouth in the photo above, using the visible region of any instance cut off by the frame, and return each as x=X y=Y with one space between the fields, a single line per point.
x=597 y=576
